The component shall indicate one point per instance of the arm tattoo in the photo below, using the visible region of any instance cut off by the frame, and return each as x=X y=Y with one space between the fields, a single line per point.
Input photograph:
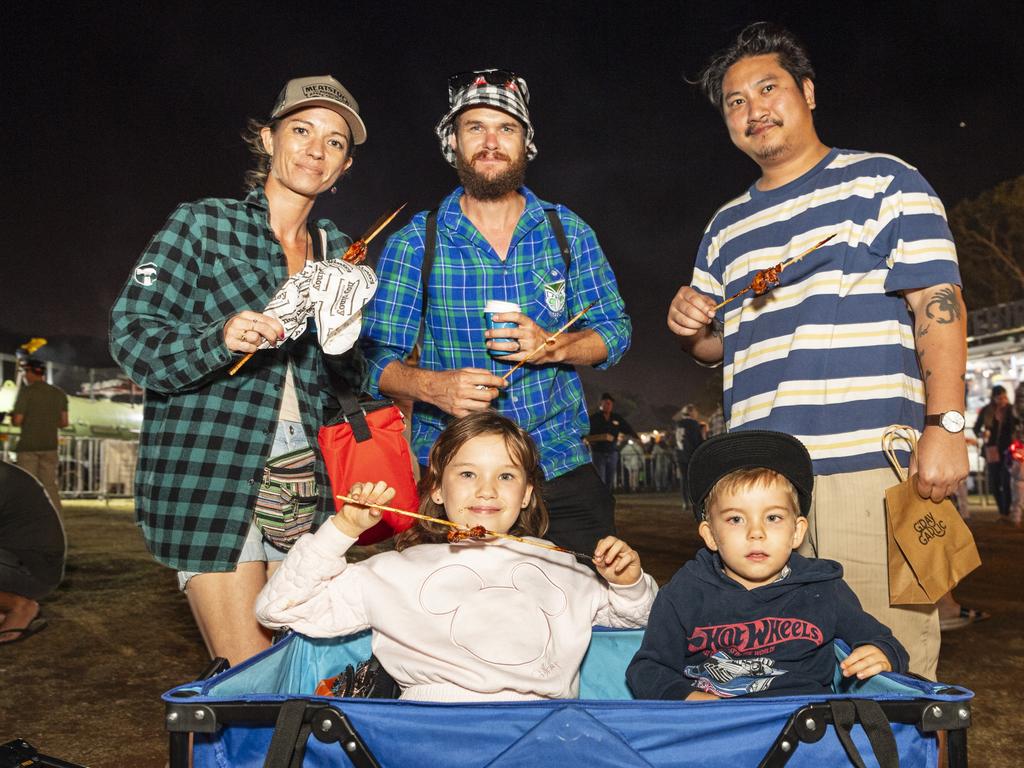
x=947 y=308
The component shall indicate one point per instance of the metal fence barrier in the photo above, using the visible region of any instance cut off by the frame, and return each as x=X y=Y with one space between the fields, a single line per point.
x=92 y=467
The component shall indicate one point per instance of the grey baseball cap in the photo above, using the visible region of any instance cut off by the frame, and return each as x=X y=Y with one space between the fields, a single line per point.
x=320 y=91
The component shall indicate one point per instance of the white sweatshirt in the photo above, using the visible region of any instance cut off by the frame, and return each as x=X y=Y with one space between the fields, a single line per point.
x=455 y=622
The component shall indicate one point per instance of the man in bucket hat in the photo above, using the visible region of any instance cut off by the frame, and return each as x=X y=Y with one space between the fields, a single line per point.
x=492 y=238
x=749 y=616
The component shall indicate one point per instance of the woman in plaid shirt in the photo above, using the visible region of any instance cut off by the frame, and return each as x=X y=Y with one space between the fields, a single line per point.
x=190 y=310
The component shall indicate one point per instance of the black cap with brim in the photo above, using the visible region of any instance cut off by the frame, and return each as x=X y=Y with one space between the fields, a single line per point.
x=751 y=449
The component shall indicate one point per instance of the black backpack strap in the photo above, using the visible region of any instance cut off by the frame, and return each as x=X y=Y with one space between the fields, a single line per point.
x=429 y=246
x=316 y=240
x=563 y=243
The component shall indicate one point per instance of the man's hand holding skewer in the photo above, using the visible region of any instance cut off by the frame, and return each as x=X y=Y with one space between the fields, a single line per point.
x=690 y=312
x=353 y=519
x=691 y=317
x=463 y=390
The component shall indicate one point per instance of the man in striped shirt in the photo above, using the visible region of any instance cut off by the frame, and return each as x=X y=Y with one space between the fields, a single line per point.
x=864 y=332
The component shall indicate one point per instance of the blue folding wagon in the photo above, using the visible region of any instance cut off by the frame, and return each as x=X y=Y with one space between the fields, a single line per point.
x=265 y=707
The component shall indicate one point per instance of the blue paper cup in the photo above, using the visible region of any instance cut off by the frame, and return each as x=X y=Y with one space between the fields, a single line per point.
x=492 y=308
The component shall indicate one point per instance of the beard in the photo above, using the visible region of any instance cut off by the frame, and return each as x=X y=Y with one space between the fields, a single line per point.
x=483 y=187
x=770 y=152
x=773 y=152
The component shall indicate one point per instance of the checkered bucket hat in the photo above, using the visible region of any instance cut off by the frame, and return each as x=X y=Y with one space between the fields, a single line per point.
x=497 y=88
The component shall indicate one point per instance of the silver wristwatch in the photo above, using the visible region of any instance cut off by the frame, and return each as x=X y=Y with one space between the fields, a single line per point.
x=951 y=421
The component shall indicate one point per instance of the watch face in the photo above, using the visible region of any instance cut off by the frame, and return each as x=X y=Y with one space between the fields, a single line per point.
x=953 y=421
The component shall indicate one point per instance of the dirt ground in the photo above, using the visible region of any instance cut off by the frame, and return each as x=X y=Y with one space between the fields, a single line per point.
x=87 y=689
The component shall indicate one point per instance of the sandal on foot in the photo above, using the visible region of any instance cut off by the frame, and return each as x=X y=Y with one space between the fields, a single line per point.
x=973 y=615
x=38 y=624
x=966 y=617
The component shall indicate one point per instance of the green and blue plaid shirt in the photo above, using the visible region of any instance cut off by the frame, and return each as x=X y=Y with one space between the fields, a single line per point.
x=546 y=400
x=206 y=434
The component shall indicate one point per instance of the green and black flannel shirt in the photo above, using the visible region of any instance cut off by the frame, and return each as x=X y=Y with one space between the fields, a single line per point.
x=207 y=435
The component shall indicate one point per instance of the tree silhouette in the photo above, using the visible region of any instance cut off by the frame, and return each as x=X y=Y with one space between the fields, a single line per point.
x=989 y=234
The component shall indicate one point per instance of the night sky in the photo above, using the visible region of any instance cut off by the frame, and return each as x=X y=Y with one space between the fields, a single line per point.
x=114 y=113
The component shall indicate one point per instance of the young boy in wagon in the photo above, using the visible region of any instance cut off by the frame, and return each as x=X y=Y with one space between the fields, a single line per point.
x=749 y=616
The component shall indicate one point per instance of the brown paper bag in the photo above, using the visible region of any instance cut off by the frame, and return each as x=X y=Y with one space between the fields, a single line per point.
x=930 y=547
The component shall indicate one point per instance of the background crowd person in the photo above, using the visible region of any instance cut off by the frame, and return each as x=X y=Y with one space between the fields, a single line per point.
x=192 y=308
x=893 y=241
x=689 y=434
x=632 y=454
x=1016 y=454
x=663 y=464
x=32 y=551
x=40 y=410
x=716 y=422
x=493 y=239
x=961 y=499
x=603 y=438
x=996 y=426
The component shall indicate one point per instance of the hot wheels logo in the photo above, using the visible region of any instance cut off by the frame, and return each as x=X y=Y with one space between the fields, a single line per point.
x=752 y=636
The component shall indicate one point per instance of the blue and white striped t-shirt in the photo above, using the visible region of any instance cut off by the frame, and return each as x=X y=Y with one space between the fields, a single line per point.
x=828 y=355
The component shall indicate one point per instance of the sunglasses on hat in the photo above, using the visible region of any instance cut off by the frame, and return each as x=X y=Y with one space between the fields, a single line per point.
x=501 y=78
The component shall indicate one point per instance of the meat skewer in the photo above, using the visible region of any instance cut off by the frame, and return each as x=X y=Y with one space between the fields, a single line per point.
x=356 y=253
x=460 y=533
x=766 y=279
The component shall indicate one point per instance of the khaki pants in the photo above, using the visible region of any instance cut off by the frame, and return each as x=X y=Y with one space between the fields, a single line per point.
x=847 y=524
x=43 y=466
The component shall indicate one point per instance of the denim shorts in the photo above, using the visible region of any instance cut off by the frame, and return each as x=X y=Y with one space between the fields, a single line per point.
x=289 y=437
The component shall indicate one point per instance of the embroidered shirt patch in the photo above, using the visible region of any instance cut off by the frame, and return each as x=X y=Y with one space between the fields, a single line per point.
x=145 y=274
x=554 y=296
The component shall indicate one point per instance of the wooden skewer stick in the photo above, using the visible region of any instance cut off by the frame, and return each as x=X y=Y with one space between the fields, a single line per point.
x=549 y=340
x=239 y=364
x=450 y=524
x=779 y=268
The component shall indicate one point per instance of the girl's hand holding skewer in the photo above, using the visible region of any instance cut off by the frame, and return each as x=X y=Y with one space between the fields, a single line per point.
x=617 y=562
x=353 y=519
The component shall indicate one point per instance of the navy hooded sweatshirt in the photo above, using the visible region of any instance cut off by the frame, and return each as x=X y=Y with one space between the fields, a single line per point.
x=707 y=632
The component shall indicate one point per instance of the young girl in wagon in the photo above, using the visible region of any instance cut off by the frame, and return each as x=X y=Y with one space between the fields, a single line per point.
x=468 y=620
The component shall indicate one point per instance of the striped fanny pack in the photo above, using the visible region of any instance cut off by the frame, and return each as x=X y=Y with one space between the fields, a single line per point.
x=287 y=498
